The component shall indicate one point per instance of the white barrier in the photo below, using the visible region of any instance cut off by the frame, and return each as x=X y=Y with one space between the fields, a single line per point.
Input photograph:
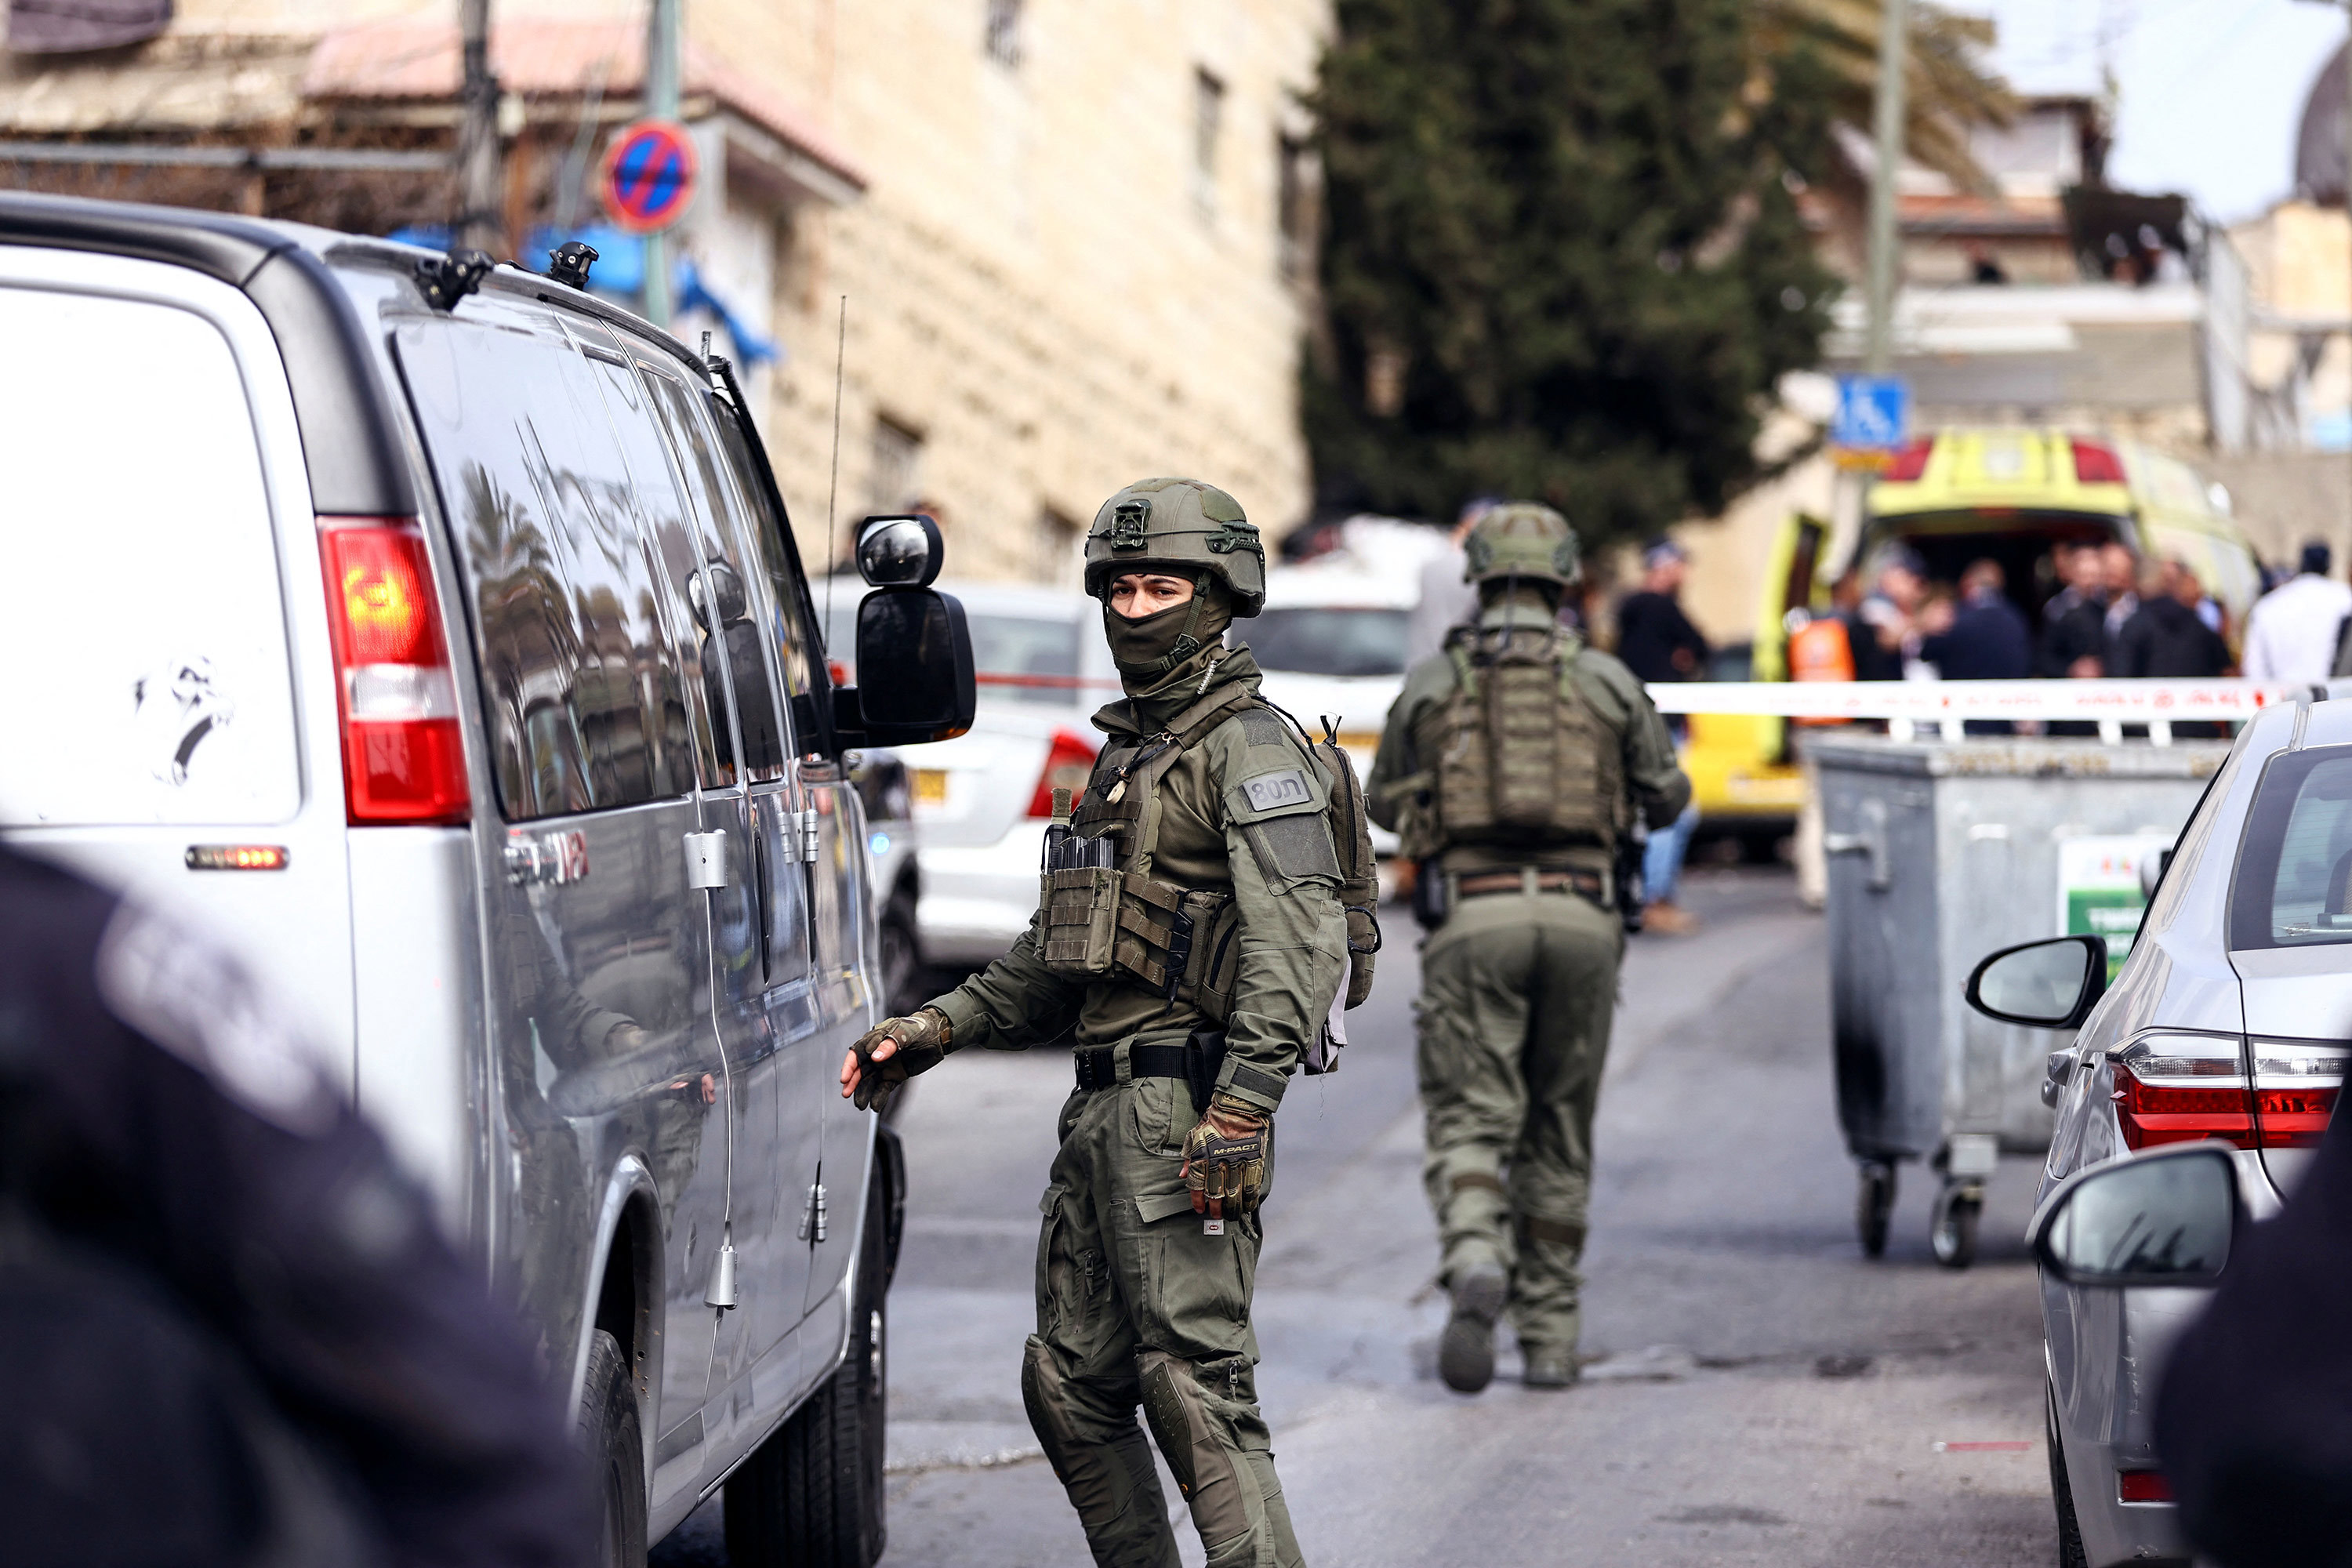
x=2158 y=704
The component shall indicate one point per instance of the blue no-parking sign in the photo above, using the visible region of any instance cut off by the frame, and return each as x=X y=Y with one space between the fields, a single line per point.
x=647 y=179
x=1873 y=412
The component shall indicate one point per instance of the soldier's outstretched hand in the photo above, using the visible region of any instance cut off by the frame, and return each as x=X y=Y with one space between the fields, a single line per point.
x=1224 y=1157
x=890 y=1053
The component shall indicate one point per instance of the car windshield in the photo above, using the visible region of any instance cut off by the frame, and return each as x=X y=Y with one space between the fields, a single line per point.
x=2293 y=884
x=1015 y=659
x=1327 y=640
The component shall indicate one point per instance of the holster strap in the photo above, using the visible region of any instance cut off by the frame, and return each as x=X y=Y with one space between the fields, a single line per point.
x=1098 y=1065
x=1531 y=880
x=1479 y=1179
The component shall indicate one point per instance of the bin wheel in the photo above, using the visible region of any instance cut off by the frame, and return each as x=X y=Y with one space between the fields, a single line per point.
x=1952 y=1230
x=1874 y=1206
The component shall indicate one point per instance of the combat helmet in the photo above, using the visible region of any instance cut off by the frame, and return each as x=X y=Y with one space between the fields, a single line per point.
x=1184 y=528
x=1524 y=540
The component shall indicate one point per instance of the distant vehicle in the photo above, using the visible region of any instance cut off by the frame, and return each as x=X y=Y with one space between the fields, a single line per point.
x=1331 y=639
x=454 y=662
x=980 y=803
x=1745 y=784
x=2011 y=495
x=2229 y=1021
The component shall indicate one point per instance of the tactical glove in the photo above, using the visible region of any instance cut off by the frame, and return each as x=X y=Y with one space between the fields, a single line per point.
x=1224 y=1157
x=920 y=1040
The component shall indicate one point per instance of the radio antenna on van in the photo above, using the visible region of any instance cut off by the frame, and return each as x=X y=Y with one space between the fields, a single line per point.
x=832 y=488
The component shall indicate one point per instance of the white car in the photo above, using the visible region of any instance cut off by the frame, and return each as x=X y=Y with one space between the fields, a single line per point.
x=980 y=801
x=1331 y=639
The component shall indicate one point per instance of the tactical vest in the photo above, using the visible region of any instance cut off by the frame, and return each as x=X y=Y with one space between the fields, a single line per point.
x=1107 y=916
x=1517 y=755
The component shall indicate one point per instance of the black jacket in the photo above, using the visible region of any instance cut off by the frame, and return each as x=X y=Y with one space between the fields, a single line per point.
x=162 y=1116
x=1989 y=640
x=2165 y=638
x=2253 y=1421
x=2073 y=627
x=1651 y=630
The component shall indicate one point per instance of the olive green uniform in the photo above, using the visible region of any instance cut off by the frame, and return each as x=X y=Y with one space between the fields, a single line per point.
x=1517 y=992
x=1136 y=1302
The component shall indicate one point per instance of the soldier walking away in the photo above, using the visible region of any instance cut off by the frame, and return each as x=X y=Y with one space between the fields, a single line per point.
x=1512 y=766
x=1192 y=929
x=230 y=1330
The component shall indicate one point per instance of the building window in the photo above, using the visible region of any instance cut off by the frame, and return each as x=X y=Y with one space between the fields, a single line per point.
x=1057 y=560
x=1299 y=187
x=896 y=478
x=1005 y=32
x=1208 y=119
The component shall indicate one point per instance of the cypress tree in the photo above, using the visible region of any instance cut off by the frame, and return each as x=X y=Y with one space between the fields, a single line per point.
x=1564 y=258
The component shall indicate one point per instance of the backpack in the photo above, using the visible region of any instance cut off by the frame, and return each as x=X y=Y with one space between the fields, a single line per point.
x=1522 y=758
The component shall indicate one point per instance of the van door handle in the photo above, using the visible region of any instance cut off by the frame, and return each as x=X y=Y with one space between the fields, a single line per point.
x=706 y=860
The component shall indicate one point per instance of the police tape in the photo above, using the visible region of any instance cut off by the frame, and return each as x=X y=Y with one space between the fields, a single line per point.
x=1928 y=701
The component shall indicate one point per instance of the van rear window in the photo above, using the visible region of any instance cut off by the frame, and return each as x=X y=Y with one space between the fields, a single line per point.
x=2293 y=881
x=141 y=615
x=585 y=701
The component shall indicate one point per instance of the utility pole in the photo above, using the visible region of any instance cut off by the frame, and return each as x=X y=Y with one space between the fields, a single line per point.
x=479 y=175
x=661 y=103
x=1893 y=54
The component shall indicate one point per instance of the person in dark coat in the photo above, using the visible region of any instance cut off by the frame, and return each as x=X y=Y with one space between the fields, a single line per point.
x=163 y=1129
x=2253 y=1419
x=2165 y=636
x=1989 y=638
x=2074 y=643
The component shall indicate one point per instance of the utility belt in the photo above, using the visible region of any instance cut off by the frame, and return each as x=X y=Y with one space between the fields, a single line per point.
x=1436 y=891
x=1197 y=1061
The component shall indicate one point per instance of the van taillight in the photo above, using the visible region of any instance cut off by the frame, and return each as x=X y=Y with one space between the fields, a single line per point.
x=1910 y=461
x=1068 y=764
x=403 y=759
x=2096 y=465
x=2296 y=1083
x=2183 y=1089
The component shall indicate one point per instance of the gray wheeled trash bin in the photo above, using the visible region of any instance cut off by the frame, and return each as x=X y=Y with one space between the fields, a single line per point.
x=1941 y=852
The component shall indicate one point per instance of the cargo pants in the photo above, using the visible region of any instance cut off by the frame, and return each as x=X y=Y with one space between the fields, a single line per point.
x=1516 y=995
x=1137 y=1305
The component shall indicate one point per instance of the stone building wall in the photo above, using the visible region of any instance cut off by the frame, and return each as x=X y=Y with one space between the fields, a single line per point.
x=1049 y=294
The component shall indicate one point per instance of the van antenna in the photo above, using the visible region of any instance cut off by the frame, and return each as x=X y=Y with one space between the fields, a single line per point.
x=832 y=488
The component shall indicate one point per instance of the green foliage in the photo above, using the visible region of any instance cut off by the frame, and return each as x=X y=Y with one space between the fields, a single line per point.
x=1563 y=261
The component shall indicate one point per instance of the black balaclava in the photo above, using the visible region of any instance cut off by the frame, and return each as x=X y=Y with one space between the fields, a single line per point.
x=1162 y=656
x=1149 y=647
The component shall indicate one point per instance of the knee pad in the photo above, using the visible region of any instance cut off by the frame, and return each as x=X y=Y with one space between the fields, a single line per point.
x=1043 y=1396
x=1199 y=1453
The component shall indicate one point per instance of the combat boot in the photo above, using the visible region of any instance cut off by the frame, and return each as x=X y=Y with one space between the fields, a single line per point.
x=1465 y=1351
x=1547 y=1369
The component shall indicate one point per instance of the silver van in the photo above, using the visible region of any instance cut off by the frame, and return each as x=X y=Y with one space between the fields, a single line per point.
x=436 y=636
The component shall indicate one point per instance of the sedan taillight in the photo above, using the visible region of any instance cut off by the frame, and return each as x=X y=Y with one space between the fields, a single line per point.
x=2296 y=1084
x=1069 y=763
x=2183 y=1089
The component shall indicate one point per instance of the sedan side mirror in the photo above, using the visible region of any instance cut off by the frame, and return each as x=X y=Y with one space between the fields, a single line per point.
x=2167 y=1217
x=2048 y=984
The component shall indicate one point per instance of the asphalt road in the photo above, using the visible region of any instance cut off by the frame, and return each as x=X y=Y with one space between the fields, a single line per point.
x=1757 y=1392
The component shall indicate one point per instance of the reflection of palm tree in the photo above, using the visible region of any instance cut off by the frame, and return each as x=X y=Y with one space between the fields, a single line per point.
x=1948 y=91
x=503 y=542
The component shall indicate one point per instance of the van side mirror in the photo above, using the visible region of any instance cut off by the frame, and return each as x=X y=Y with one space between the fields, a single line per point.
x=914 y=671
x=2168 y=1218
x=2048 y=984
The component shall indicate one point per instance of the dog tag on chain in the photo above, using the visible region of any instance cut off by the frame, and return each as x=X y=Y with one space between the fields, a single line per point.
x=1213 y=1227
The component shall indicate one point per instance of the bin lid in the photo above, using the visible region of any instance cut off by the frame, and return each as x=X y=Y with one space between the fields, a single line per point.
x=2014 y=756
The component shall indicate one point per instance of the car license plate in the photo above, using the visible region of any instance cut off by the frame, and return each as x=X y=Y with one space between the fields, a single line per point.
x=930 y=786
